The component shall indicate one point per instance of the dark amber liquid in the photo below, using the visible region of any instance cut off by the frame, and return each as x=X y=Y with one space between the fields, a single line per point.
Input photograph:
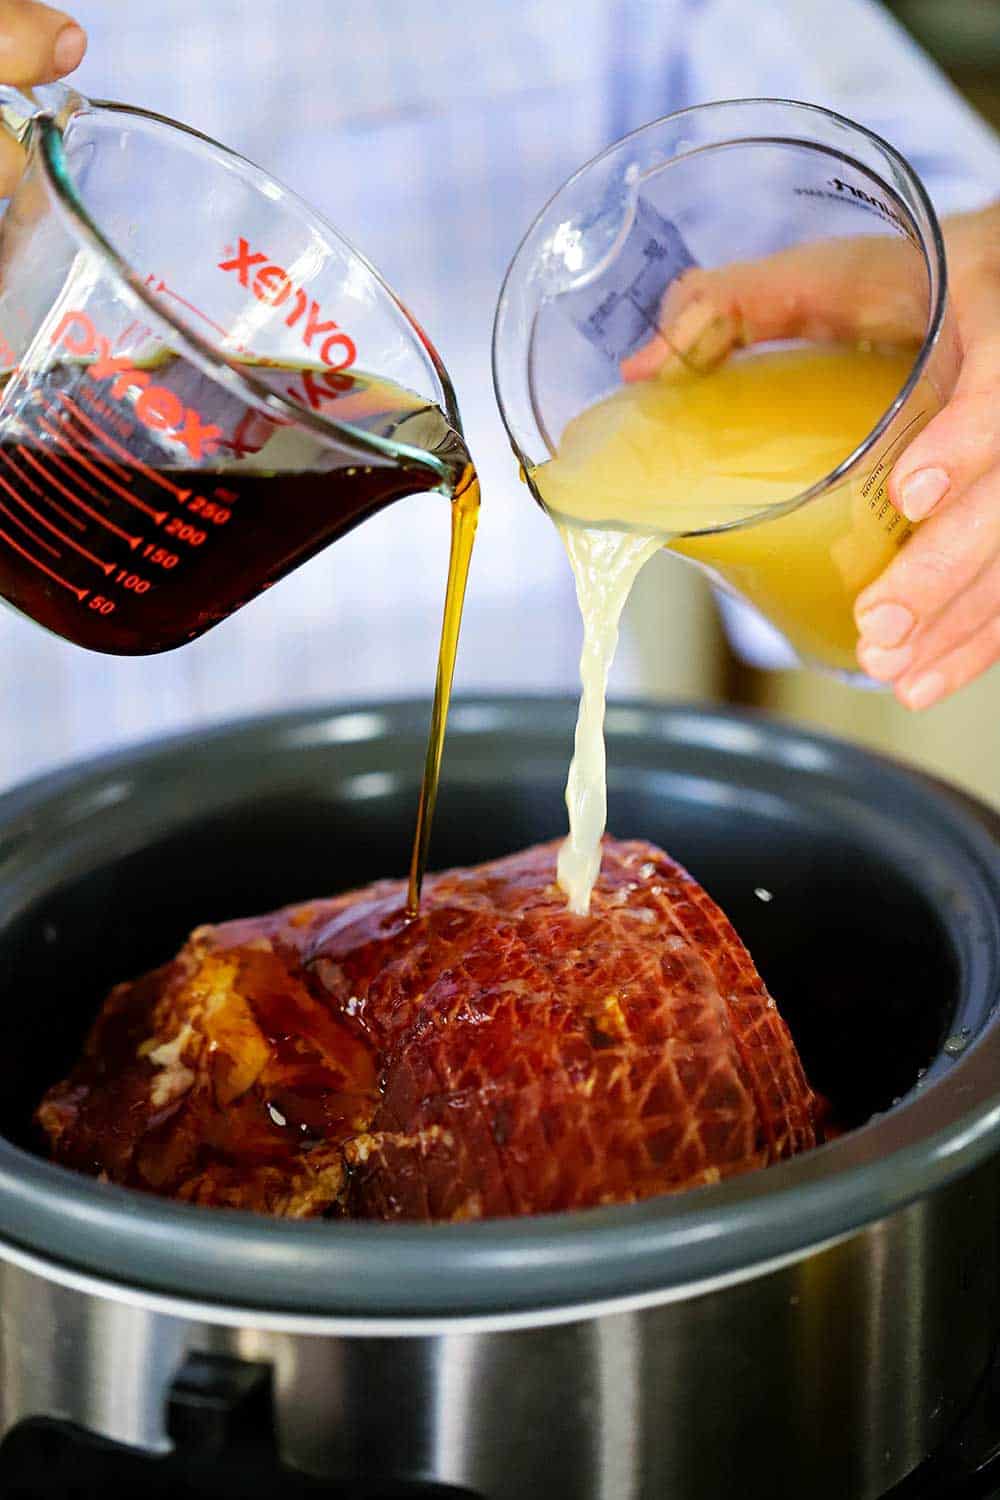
x=105 y=543
x=107 y=540
x=464 y=517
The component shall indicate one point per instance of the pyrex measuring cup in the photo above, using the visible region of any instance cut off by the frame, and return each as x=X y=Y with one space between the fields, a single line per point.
x=691 y=202
x=201 y=382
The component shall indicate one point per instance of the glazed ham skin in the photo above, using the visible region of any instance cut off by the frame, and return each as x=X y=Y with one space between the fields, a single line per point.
x=497 y=1055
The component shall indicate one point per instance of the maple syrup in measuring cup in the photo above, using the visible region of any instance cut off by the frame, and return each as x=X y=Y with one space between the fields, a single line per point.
x=105 y=544
x=186 y=412
x=201 y=385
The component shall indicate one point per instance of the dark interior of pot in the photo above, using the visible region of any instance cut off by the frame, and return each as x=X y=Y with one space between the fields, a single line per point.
x=858 y=953
x=869 y=897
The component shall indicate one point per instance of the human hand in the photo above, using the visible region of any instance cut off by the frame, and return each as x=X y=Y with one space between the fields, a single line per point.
x=37 y=45
x=931 y=622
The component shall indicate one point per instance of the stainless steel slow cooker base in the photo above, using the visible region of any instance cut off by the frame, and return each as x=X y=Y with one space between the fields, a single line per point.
x=815 y=1328
x=839 y=1374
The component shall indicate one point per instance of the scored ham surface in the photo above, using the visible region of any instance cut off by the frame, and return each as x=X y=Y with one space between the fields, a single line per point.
x=497 y=1055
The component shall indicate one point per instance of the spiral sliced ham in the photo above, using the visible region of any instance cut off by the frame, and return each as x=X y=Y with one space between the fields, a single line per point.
x=495 y=1056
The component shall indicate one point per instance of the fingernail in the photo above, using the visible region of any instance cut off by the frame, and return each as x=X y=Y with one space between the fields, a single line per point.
x=884 y=666
x=70 y=45
x=922 y=491
x=702 y=333
x=886 y=624
x=925 y=691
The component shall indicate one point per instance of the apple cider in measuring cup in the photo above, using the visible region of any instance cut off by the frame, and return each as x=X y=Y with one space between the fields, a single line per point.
x=709 y=463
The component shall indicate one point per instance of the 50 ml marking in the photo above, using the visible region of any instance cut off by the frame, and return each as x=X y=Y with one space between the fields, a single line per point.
x=76 y=462
x=81 y=594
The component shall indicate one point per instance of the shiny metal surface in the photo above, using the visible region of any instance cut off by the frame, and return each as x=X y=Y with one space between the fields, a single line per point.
x=833 y=1377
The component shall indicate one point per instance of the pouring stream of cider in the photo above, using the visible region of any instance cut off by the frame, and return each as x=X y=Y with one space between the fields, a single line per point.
x=605 y=565
x=665 y=462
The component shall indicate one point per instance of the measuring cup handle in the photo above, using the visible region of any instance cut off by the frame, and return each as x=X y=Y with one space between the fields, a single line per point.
x=19 y=107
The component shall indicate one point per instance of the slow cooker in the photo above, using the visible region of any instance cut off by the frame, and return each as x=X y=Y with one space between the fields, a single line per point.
x=827 y=1327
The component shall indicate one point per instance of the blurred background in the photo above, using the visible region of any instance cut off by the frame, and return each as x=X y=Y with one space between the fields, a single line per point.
x=431 y=136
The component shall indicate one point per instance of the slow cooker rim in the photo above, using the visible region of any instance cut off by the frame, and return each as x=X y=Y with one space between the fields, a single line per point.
x=660 y=1246
x=381 y=1324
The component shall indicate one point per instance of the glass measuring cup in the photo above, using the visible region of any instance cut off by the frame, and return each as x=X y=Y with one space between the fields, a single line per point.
x=201 y=382
x=684 y=206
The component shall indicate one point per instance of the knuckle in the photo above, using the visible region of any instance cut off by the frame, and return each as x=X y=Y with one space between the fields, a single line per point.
x=972 y=417
x=932 y=571
x=692 y=282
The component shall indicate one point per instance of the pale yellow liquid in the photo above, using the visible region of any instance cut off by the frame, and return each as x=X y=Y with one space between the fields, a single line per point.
x=605 y=565
x=662 y=459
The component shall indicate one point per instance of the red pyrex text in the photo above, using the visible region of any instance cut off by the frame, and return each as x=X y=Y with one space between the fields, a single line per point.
x=272 y=284
x=157 y=407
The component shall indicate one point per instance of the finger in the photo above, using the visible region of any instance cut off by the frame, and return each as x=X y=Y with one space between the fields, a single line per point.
x=962 y=442
x=700 y=323
x=829 y=290
x=939 y=561
x=37 y=44
x=976 y=610
x=926 y=686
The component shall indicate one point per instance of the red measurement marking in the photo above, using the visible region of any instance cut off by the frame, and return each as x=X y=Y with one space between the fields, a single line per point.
x=36 y=489
x=87 y=442
x=24 y=527
x=95 y=515
x=96 y=404
x=159 y=516
x=165 y=291
x=81 y=594
x=151 y=474
x=78 y=479
x=141 y=330
x=106 y=568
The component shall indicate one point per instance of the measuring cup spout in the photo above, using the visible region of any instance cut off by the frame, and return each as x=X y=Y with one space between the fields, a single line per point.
x=19 y=107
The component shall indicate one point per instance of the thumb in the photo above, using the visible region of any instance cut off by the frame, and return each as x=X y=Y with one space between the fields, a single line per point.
x=963 y=441
x=37 y=44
